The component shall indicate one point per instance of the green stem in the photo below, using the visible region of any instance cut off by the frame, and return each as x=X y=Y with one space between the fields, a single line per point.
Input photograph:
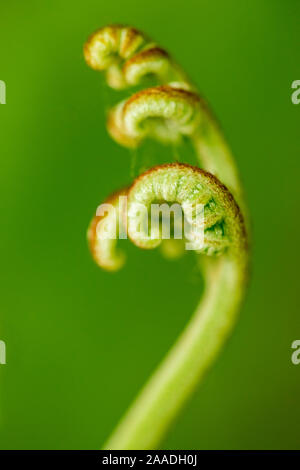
x=216 y=157
x=158 y=403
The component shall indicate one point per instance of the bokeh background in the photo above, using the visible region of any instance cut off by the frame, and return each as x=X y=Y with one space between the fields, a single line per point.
x=81 y=342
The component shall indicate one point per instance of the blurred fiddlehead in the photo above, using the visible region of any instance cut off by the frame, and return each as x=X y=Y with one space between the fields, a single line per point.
x=168 y=113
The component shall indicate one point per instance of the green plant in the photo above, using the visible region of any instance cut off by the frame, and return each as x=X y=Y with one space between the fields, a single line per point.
x=168 y=113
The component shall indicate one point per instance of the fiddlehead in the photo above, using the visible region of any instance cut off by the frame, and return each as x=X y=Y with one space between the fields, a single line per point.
x=190 y=187
x=102 y=233
x=127 y=55
x=168 y=113
x=165 y=113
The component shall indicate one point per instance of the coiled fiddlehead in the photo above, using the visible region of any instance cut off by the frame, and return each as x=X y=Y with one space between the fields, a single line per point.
x=168 y=113
x=103 y=248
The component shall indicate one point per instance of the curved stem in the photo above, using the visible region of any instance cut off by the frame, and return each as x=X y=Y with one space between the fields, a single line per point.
x=215 y=156
x=158 y=403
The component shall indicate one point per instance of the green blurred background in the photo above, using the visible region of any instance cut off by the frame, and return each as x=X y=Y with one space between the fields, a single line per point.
x=81 y=342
